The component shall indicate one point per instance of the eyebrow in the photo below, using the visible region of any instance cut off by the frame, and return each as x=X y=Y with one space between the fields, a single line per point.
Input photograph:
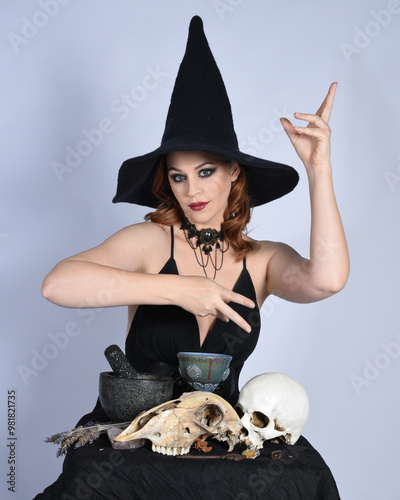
x=196 y=168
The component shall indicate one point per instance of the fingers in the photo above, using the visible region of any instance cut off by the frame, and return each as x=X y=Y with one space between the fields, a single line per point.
x=210 y=298
x=241 y=299
x=312 y=132
x=232 y=315
x=316 y=127
x=314 y=120
x=288 y=128
x=325 y=109
x=320 y=118
x=223 y=318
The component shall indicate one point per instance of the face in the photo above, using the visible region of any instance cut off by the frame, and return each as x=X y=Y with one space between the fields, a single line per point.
x=201 y=184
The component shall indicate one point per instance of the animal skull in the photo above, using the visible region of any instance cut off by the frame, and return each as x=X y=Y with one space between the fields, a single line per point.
x=173 y=426
x=273 y=405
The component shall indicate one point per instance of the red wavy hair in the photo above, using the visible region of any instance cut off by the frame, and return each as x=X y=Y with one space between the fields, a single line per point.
x=236 y=216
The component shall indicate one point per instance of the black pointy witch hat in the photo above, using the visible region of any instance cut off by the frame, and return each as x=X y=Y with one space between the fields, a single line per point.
x=200 y=119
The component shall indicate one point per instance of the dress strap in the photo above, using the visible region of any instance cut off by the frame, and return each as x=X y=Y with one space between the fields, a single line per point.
x=244 y=263
x=172 y=242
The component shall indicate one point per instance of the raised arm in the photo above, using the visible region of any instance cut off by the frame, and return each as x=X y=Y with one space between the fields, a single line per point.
x=326 y=271
x=124 y=271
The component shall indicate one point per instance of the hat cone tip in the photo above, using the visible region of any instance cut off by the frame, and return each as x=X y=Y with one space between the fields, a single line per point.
x=196 y=22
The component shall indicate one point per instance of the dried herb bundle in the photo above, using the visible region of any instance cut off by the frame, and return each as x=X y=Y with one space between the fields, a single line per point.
x=79 y=436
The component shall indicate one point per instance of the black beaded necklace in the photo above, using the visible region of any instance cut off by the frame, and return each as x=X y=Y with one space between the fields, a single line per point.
x=205 y=239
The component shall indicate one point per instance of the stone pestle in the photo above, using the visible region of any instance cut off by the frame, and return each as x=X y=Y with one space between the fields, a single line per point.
x=119 y=362
x=124 y=393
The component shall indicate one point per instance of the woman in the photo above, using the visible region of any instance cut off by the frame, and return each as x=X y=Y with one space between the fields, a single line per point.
x=203 y=188
x=201 y=184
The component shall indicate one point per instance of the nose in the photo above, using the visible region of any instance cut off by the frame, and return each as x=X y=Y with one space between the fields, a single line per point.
x=193 y=186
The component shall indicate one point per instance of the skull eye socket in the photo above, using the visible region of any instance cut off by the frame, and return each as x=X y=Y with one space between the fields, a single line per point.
x=244 y=432
x=258 y=419
x=278 y=427
x=210 y=415
x=143 y=421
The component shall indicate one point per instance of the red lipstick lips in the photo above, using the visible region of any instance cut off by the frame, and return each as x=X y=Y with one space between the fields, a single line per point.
x=198 y=206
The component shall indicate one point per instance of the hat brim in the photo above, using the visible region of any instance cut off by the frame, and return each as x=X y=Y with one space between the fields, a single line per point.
x=266 y=180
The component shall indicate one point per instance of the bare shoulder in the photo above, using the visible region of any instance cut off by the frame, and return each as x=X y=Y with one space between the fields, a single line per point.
x=264 y=249
x=270 y=252
x=145 y=230
x=138 y=247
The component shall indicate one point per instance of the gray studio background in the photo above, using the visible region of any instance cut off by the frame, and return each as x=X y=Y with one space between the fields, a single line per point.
x=65 y=68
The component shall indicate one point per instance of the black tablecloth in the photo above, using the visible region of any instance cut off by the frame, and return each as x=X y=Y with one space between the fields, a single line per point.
x=98 y=471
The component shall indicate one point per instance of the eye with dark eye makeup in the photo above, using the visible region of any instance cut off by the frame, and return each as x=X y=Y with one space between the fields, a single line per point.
x=206 y=172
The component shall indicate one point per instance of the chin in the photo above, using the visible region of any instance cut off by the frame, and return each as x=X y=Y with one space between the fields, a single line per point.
x=206 y=220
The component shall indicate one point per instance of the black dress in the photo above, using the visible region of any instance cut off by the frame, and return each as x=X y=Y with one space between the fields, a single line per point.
x=156 y=335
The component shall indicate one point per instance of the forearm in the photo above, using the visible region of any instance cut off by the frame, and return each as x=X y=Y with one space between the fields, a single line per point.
x=329 y=258
x=83 y=284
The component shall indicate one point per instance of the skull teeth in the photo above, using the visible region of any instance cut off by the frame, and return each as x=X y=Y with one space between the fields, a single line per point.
x=176 y=450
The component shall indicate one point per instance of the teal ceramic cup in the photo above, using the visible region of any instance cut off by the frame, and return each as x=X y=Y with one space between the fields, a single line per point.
x=204 y=370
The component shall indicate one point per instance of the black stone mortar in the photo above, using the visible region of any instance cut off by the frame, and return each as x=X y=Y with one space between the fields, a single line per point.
x=124 y=393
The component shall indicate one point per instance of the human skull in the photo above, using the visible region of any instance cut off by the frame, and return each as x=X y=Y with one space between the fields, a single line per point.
x=273 y=405
x=172 y=427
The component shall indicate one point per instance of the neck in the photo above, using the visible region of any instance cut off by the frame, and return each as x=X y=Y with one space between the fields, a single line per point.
x=201 y=232
x=207 y=242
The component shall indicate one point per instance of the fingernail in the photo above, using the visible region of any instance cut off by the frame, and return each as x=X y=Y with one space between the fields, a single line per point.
x=248 y=330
